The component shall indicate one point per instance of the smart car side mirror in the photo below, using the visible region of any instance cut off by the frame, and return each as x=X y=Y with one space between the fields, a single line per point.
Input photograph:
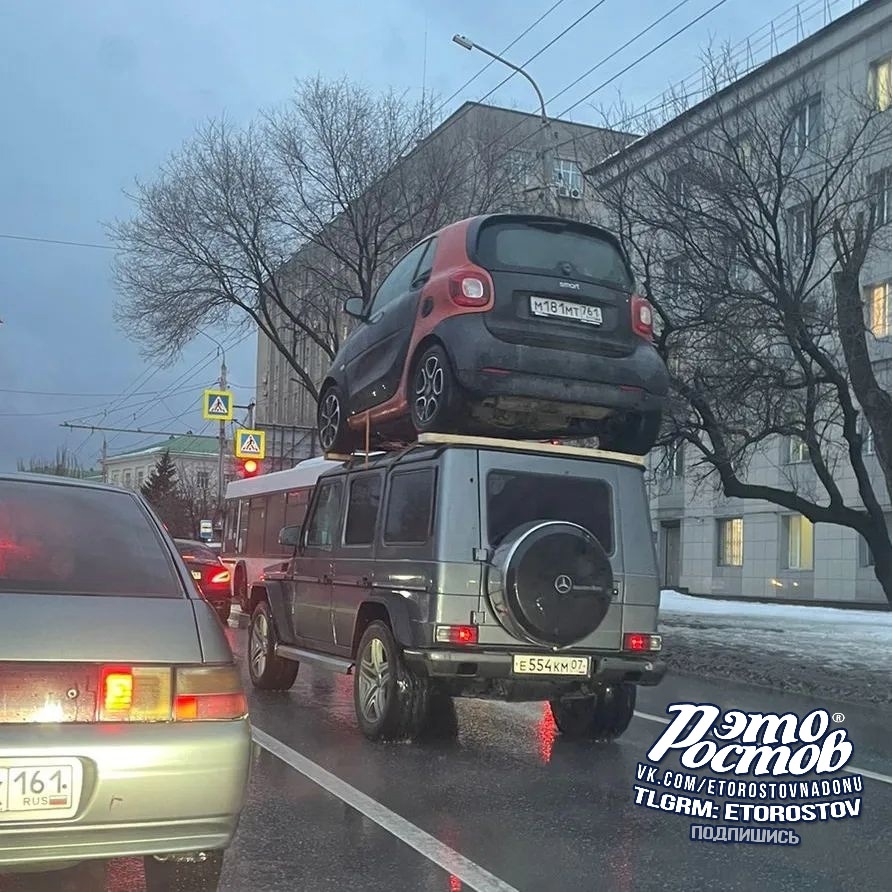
x=355 y=307
x=290 y=536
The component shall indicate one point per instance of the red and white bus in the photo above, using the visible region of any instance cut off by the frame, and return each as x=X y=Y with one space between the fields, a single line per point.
x=256 y=510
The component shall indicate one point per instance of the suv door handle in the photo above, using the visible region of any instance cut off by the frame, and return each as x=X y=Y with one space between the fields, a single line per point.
x=326 y=578
x=366 y=581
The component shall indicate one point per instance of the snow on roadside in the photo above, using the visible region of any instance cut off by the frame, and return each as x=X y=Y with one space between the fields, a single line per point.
x=815 y=650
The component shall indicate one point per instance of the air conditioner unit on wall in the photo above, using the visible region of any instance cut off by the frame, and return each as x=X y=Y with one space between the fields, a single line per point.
x=563 y=191
x=576 y=193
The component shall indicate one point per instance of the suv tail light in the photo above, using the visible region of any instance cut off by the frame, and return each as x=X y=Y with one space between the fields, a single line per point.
x=642 y=317
x=456 y=634
x=159 y=694
x=469 y=288
x=642 y=642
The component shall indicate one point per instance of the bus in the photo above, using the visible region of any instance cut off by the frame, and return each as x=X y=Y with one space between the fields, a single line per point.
x=256 y=510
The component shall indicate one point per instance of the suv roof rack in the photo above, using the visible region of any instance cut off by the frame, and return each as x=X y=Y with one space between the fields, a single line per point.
x=436 y=439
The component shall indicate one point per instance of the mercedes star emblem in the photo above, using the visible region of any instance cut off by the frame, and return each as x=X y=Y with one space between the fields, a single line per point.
x=563 y=584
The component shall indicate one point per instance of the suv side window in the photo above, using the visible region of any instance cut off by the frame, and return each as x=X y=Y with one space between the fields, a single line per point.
x=410 y=507
x=362 y=509
x=323 y=524
x=400 y=279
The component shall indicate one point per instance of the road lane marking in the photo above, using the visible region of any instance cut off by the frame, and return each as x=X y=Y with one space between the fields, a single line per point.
x=470 y=873
x=875 y=775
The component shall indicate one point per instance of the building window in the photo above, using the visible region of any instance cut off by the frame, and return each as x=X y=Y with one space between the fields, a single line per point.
x=202 y=479
x=736 y=264
x=675 y=272
x=881 y=83
x=806 y=124
x=800 y=536
x=128 y=479
x=568 y=175
x=743 y=152
x=879 y=317
x=517 y=166
x=797 y=451
x=671 y=464
x=865 y=555
x=867 y=445
x=879 y=187
x=677 y=187
x=116 y=478
x=140 y=476
x=730 y=541
x=797 y=231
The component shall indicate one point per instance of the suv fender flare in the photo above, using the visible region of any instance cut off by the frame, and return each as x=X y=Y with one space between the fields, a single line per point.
x=389 y=607
x=273 y=593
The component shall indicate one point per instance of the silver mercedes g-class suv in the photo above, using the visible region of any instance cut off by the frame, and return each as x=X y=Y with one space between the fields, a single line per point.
x=470 y=567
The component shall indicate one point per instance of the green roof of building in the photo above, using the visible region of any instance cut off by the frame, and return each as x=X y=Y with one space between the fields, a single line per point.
x=187 y=444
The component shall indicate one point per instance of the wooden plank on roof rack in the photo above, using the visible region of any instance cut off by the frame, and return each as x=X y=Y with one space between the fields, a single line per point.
x=432 y=439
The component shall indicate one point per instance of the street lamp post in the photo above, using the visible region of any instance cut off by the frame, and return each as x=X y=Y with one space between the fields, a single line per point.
x=467 y=44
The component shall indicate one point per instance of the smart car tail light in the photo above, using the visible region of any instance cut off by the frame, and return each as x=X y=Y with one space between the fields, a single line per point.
x=469 y=288
x=642 y=318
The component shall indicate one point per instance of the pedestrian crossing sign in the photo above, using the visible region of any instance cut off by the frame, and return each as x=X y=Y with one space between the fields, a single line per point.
x=250 y=444
x=217 y=405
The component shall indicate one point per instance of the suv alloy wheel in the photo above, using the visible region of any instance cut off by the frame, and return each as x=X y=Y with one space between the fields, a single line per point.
x=268 y=671
x=391 y=701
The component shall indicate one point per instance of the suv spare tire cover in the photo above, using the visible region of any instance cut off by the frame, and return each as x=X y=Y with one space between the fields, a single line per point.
x=550 y=582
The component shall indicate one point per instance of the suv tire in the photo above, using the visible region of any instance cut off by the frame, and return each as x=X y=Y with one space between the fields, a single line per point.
x=268 y=671
x=433 y=393
x=390 y=700
x=194 y=876
x=633 y=433
x=602 y=717
x=332 y=412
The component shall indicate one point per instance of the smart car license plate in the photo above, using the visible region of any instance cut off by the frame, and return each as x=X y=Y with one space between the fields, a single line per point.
x=538 y=664
x=562 y=309
x=39 y=789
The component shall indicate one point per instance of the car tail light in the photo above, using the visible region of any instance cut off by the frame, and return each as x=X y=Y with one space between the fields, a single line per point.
x=209 y=693
x=220 y=577
x=135 y=694
x=642 y=317
x=162 y=693
x=456 y=634
x=642 y=642
x=469 y=288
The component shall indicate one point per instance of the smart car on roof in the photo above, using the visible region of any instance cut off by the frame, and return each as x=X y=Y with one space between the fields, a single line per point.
x=505 y=324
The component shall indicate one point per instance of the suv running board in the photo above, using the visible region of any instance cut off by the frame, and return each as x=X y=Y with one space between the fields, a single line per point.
x=325 y=661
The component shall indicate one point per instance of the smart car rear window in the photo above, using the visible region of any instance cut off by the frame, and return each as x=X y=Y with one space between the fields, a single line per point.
x=553 y=249
x=59 y=539
x=515 y=498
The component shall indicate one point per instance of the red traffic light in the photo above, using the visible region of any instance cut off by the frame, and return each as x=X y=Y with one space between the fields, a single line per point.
x=250 y=467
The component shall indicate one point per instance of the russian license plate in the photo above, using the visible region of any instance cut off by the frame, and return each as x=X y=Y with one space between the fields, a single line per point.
x=39 y=789
x=540 y=664
x=563 y=309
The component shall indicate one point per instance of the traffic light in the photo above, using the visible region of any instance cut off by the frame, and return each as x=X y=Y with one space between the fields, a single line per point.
x=249 y=467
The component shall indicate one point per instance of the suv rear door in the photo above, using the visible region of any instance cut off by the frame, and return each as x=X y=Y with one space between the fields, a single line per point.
x=558 y=283
x=517 y=488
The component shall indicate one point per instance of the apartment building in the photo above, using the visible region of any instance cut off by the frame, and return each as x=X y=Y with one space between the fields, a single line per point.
x=195 y=458
x=515 y=163
x=708 y=544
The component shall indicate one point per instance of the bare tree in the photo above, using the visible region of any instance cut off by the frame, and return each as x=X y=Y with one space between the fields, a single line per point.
x=65 y=464
x=199 y=501
x=752 y=224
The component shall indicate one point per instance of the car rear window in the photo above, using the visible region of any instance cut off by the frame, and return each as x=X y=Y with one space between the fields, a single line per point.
x=60 y=539
x=515 y=498
x=552 y=249
x=195 y=551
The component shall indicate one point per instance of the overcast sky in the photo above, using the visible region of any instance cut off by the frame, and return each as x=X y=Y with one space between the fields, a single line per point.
x=96 y=93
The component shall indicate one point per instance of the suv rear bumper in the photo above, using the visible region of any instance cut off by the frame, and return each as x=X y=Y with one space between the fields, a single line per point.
x=462 y=665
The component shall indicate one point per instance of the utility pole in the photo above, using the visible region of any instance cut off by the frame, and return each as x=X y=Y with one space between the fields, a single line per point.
x=104 y=460
x=222 y=439
x=251 y=406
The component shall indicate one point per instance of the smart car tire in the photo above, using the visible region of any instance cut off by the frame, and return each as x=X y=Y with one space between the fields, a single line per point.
x=433 y=393
x=634 y=433
x=331 y=421
x=268 y=671
x=602 y=717
x=188 y=876
x=390 y=700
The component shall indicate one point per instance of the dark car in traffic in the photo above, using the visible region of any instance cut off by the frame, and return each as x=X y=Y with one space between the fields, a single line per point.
x=211 y=575
x=123 y=720
x=505 y=324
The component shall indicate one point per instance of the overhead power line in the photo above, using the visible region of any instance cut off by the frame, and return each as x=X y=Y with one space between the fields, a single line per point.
x=55 y=241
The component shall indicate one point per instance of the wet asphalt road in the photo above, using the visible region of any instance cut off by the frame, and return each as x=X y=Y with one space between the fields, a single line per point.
x=535 y=812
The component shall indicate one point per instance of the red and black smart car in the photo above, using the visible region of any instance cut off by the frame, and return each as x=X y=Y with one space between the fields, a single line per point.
x=519 y=325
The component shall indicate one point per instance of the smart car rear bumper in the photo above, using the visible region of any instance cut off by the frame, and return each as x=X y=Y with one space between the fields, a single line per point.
x=488 y=366
x=147 y=789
